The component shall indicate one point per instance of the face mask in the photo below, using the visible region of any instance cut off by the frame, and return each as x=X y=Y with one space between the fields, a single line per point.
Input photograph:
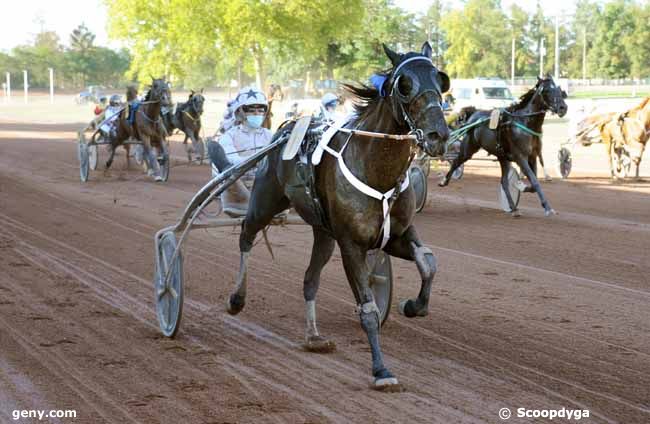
x=254 y=121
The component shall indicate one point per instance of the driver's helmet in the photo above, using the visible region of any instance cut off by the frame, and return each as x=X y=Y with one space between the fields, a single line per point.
x=329 y=101
x=103 y=99
x=250 y=97
x=116 y=100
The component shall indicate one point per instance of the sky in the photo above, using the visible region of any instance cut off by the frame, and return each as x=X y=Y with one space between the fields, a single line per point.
x=62 y=16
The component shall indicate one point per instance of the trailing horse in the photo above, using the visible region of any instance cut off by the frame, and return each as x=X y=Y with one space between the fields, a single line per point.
x=625 y=136
x=514 y=139
x=187 y=118
x=359 y=196
x=147 y=126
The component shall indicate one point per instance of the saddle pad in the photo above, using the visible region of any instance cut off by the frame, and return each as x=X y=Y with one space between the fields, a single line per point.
x=494 y=118
x=296 y=137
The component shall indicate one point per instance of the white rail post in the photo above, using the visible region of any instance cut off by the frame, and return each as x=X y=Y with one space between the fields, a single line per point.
x=51 y=86
x=8 y=87
x=25 y=84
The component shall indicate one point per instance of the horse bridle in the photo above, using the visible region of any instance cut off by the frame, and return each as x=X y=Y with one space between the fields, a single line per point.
x=399 y=99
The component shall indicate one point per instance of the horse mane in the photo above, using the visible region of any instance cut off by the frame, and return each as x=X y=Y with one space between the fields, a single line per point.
x=524 y=99
x=367 y=98
x=147 y=96
x=640 y=106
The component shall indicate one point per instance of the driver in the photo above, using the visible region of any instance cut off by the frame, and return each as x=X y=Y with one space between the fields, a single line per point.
x=238 y=143
x=112 y=112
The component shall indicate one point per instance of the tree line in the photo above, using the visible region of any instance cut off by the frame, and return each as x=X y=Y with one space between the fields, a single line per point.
x=81 y=64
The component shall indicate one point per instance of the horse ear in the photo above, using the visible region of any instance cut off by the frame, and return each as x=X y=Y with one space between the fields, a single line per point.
x=201 y=90
x=445 y=83
x=394 y=57
x=427 y=50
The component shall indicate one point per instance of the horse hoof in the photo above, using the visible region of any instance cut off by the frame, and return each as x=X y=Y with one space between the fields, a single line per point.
x=158 y=178
x=550 y=212
x=235 y=304
x=386 y=382
x=516 y=213
x=408 y=309
x=319 y=344
x=548 y=179
x=442 y=184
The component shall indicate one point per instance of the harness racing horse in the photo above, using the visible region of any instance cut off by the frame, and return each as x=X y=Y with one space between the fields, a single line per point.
x=515 y=138
x=148 y=126
x=625 y=137
x=187 y=118
x=408 y=100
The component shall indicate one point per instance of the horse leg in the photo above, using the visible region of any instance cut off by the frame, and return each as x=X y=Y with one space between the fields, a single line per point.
x=408 y=246
x=109 y=162
x=523 y=164
x=505 y=170
x=547 y=176
x=320 y=254
x=188 y=148
x=267 y=200
x=128 y=159
x=195 y=145
x=466 y=152
x=151 y=159
x=356 y=269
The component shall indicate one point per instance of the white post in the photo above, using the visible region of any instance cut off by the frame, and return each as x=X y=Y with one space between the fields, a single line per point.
x=557 y=47
x=51 y=86
x=25 y=84
x=512 y=64
x=8 y=87
x=541 y=58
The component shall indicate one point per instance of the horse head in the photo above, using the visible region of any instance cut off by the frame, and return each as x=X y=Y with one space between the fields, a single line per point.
x=415 y=89
x=552 y=95
x=197 y=100
x=159 y=91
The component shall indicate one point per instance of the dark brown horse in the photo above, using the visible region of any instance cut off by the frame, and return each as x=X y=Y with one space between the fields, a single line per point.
x=407 y=100
x=515 y=137
x=187 y=118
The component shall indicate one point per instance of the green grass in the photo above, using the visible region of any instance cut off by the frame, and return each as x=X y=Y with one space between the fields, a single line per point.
x=606 y=94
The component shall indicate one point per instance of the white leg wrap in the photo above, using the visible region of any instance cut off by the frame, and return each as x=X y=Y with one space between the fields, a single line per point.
x=310 y=313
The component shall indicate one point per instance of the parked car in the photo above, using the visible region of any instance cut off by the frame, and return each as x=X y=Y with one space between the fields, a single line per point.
x=91 y=94
x=482 y=93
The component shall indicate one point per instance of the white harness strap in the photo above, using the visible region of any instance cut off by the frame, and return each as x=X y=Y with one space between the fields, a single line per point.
x=367 y=190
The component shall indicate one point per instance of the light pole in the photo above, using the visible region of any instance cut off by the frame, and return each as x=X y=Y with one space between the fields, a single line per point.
x=557 y=47
x=512 y=64
x=542 y=52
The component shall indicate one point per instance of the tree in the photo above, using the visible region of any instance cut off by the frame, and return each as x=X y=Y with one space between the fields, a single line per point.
x=430 y=24
x=608 y=57
x=479 y=42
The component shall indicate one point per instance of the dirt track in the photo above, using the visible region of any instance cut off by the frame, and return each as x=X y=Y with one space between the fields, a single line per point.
x=535 y=312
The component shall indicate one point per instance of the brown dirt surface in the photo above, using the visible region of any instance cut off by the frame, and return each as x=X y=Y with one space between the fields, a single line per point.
x=534 y=312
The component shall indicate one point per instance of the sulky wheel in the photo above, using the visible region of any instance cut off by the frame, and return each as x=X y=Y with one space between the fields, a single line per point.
x=84 y=165
x=381 y=281
x=514 y=180
x=564 y=162
x=419 y=183
x=169 y=298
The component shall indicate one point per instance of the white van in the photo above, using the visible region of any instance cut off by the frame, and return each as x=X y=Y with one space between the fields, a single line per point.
x=482 y=93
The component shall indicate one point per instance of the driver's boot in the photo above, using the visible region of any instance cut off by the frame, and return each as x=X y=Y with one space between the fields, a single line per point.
x=235 y=200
